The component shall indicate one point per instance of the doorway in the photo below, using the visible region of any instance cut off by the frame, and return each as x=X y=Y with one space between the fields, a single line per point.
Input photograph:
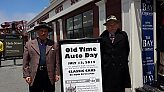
x=160 y=39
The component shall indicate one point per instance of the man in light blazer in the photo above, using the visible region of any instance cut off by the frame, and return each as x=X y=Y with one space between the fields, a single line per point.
x=41 y=61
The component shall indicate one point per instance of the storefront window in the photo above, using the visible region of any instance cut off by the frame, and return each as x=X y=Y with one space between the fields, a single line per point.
x=78 y=32
x=70 y=28
x=33 y=35
x=77 y=21
x=70 y=34
x=80 y=26
x=88 y=23
x=50 y=35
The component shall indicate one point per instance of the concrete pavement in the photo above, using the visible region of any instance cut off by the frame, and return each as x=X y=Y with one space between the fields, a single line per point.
x=11 y=77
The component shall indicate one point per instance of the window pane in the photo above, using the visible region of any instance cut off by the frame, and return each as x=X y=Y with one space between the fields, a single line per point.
x=78 y=21
x=50 y=35
x=88 y=32
x=88 y=23
x=78 y=33
x=70 y=34
x=33 y=35
x=88 y=18
x=69 y=28
x=70 y=24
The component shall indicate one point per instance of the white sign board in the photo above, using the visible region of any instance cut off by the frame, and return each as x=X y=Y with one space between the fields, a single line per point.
x=81 y=67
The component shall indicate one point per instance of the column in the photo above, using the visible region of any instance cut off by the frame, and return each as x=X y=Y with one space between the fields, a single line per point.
x=155 y=39
x=131 y=23
x=61 y=29
x=54 y=27
x=102 y=15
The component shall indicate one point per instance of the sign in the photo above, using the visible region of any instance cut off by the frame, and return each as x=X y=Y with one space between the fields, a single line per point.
x=81 y=67
x=147 y=42
x=13 y=46
x=63 y=5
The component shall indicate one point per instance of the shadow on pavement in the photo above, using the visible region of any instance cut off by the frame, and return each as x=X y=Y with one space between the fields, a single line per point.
x=10 y=65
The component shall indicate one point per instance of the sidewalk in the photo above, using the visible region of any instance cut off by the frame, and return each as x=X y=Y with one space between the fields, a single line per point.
x=11 y=79
x=7 y=63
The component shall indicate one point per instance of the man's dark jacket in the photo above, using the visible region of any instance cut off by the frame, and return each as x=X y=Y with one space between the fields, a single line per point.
x=115 y=70
x=160 y=45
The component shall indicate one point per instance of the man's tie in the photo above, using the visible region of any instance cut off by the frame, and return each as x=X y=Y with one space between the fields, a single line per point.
x=112 y=36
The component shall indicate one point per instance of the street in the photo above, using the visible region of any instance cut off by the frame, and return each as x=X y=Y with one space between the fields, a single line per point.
x=11 y=79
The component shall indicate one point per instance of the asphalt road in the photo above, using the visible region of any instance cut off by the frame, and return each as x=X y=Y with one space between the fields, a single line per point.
x=11 y=77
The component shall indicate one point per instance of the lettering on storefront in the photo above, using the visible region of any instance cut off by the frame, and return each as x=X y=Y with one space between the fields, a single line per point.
x=147 y=7
x=59 y=9
x=147 y=43
x=148 y=77
x=74 y=1
x=65 y=5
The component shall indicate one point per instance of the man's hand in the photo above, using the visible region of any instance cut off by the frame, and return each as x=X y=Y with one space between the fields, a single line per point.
x=28 y=80
x=57 y=78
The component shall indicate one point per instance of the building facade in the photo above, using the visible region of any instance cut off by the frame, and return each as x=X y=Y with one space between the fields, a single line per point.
x=72 y=19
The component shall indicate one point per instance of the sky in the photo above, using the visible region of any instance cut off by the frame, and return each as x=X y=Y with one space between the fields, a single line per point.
x=16 y=10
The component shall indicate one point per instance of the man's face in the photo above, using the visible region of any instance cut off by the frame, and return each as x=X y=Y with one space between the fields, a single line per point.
x=42 y=33
x=112 y=26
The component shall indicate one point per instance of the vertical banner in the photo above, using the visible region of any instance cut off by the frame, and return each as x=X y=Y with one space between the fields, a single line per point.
x=81 y=66
x=147 y=42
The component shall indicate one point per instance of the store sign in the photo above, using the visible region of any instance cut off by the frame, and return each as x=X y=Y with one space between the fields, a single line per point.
x=81 y=67
x=74 y=1
x=13 y=46
x=64 y=5
x=59 y=9
x=147 y=42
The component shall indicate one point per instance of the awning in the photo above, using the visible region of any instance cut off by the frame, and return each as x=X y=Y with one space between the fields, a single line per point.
x=66 y=11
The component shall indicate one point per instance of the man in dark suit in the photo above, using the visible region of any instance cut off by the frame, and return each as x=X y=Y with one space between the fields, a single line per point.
x=114 y=51
x=40 y=61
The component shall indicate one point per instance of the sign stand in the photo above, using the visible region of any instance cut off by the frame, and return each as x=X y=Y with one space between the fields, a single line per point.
x=80 y=61
x=14 y=61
